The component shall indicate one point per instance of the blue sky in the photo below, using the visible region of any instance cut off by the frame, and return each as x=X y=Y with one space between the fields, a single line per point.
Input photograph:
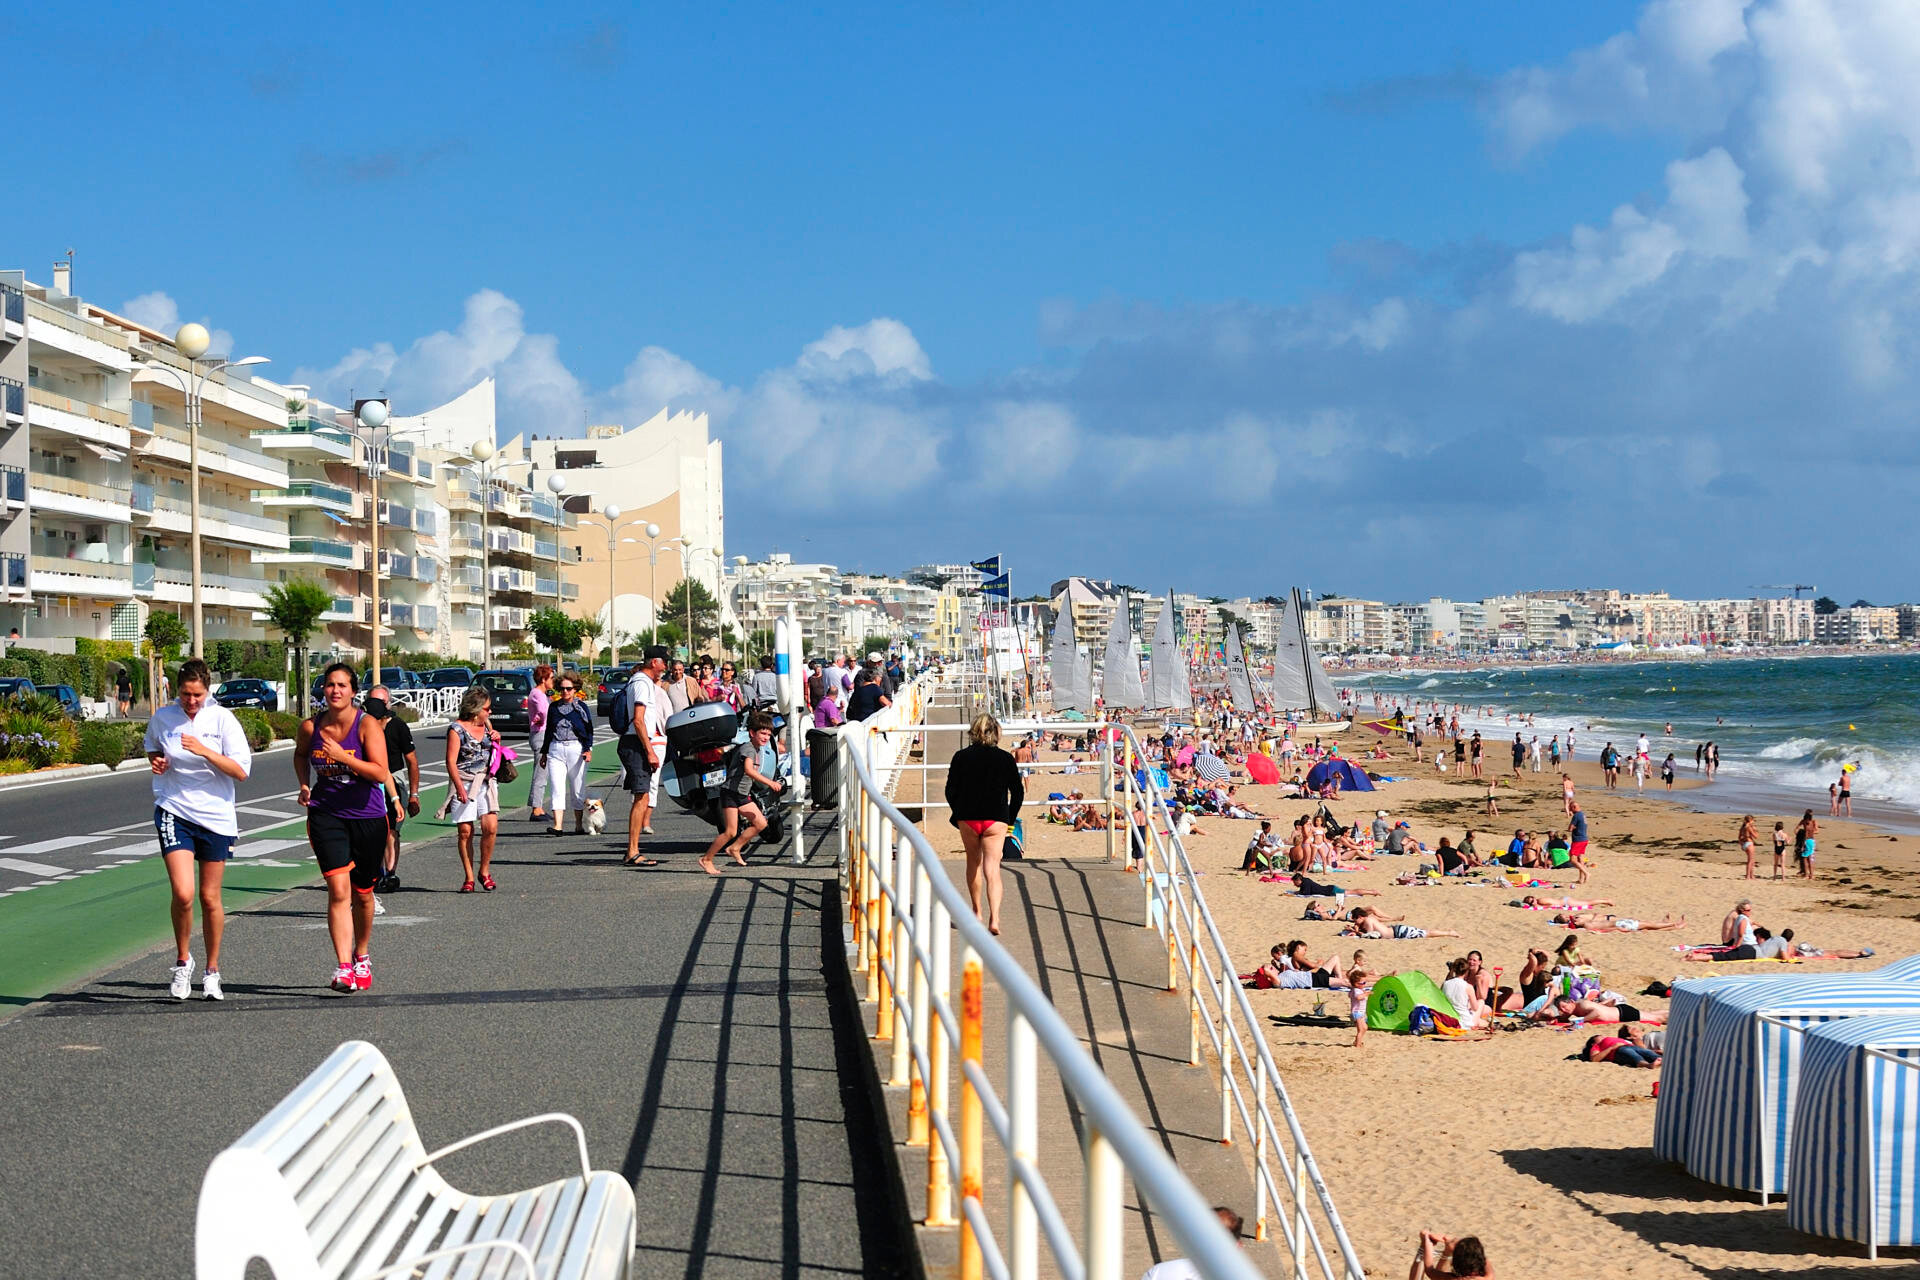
x=1375 y=299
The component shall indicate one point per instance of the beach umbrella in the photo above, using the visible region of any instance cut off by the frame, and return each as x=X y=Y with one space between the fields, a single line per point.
x=1855 y=1169
x=1211 y=768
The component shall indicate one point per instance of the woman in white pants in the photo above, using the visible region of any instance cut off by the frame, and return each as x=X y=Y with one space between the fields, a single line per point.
x=564 y=749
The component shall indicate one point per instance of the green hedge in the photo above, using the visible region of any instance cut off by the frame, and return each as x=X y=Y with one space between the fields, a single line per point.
x=109 y=742
x=36 y=737
x=284 y=724
x=254 y=721
x=88 y=673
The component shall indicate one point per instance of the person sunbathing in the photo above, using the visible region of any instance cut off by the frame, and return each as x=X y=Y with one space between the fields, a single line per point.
x=1567 y=1008
x=1314 y=889
x=1619 y=1049
x=1534 y=903
x=1367 y=925
x=1786 y=948
x=1594 y=922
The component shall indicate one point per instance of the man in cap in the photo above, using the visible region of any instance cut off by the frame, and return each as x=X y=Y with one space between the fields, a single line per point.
x=1381 y=828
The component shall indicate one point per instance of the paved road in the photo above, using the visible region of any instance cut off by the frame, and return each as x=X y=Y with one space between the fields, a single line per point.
x=689 y=1022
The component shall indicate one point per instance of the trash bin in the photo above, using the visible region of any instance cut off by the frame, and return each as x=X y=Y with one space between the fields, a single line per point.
x=823 y=767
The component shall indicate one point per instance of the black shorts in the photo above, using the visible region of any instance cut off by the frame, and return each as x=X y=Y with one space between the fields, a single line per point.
x=729 y=800
x=356 y=846
x=1628 y=1013
x=1321 y=978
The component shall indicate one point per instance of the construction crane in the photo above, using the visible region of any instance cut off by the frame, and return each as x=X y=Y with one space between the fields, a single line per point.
x=1795 y=587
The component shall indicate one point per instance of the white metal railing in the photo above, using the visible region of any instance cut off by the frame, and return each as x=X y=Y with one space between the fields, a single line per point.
x=432 y=704
x=905 y=912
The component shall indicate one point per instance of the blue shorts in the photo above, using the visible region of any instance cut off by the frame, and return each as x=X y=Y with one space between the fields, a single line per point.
x=177 y=832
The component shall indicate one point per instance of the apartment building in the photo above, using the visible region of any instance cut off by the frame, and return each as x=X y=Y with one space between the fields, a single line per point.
x=507 y=553
x=667 y=471
x=108 y=488
x=760 y=591
x=16 y=531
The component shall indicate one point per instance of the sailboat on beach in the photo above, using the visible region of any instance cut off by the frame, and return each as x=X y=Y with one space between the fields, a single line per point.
x=1300 y=683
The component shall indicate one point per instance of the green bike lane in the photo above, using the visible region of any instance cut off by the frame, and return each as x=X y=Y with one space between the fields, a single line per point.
x=60 y=935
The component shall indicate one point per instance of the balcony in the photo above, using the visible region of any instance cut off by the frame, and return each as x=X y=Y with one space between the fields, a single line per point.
x=13 y=573
x=396 y=516
x=312 y=495
x=321 y=551
x=13 y=305
x=426 y=617
x=13 y=486
x=64 y=494
x=171 y=444
x=13 y=398
x=175 y=585
x=393 y=566
x=67 y=576
x=395 y=614
x=546 y=586
x=569 y=591
x=351 y=609
x=77 y=418
x=307 y=439
x=142 y=497
x=546 y=550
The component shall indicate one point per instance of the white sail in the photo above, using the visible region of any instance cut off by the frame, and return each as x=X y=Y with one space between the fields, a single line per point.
x=1324 y=701
x=1290 y=690
x=1237 y=683
x=1120 y=682
x=1063 y=662
x=1169 y=690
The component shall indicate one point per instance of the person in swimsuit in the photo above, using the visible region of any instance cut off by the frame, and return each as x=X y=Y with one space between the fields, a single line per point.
x=1748 y=836
x=1592 y=922
x=1809 y=828
x=1619 y=1049
x=1779 y=850
x=984 y=793
x=340 y=758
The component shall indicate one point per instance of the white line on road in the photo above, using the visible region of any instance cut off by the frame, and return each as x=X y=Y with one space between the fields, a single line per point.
x=55 y=845
x=31 y=868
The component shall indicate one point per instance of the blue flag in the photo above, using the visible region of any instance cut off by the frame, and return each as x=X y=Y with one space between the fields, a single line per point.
x=990 y=566
x=996 y=586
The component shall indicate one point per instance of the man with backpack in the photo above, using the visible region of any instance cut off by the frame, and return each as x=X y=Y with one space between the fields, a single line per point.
x=639 y=716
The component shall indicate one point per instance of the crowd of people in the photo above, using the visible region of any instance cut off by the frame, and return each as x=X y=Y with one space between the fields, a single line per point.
x=358 y=769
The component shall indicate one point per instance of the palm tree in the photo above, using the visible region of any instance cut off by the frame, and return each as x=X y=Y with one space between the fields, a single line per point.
x=294 y=609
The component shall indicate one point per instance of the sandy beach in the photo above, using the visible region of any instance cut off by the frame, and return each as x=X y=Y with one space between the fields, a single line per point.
x=1549 y=1161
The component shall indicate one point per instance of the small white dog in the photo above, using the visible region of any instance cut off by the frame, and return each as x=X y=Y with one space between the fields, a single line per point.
x=596 y=817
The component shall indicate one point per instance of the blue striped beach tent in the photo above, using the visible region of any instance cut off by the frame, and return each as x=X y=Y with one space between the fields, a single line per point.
x=1680 y=1063
x=1748 y=1063
x=1856 y=1169
x=1673 y=1114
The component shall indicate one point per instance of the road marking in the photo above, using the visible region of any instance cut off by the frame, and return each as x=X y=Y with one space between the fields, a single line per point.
x=122 y=850
x=385 y=922
x=267 y=862
x=260 y=848
x=56 y=844
x=31 y=868
x=264 y=813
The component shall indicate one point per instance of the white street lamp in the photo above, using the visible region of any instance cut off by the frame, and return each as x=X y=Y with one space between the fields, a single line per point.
x=482 y=452
x=372 y=417
x=611 y=515
x=192 y=341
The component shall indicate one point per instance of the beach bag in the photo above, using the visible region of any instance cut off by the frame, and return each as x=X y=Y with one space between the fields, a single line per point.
x=504 y=769
x=1420 y=1021
x=1015 y=846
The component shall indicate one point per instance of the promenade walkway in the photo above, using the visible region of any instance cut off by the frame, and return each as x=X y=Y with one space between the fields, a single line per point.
x=690 y=1023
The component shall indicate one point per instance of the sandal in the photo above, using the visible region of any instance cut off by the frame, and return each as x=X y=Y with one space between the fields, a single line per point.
x=486 y=882
x=639 y=860
x=466 y=887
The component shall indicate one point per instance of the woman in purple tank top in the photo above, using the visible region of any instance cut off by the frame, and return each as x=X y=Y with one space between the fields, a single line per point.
x=340 y=757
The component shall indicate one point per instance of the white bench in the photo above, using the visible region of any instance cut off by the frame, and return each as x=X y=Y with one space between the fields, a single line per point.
x=335 y=1184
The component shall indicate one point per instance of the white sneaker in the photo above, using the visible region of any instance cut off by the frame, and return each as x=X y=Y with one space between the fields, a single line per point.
x=210 y=986
x=182 y=985
x=379 y=907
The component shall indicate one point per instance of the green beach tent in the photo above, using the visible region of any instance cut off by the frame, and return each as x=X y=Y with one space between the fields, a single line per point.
x=1394 y=996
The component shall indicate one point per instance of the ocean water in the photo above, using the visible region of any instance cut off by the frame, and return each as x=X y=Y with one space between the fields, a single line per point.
x=1785 y=725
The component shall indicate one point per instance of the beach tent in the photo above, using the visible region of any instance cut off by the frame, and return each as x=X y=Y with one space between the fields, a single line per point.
x=1352 y=776
x=1680 y=1064
x=1262 y=769
x=1393 y=999
x=1856 y=1168
x=1751 y=1046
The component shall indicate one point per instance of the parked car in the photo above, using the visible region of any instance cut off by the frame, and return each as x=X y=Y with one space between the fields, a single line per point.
x=247 y=693
x=447 y=678
x=392 y=677
x=613 y=686
x=509 y=690
x=16 y=687
x=64 y=695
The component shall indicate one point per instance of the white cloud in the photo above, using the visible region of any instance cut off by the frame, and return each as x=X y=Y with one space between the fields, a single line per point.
x=159 y=312
x=882 y=348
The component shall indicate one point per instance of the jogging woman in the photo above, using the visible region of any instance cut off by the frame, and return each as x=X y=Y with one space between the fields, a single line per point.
x=473 y=797
x=737 y=805
x=340 y=757
x=198 y=751
x=564 y=749
x=984 y=794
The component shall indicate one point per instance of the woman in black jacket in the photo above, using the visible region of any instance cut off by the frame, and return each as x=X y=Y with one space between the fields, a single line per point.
x=984 y=793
